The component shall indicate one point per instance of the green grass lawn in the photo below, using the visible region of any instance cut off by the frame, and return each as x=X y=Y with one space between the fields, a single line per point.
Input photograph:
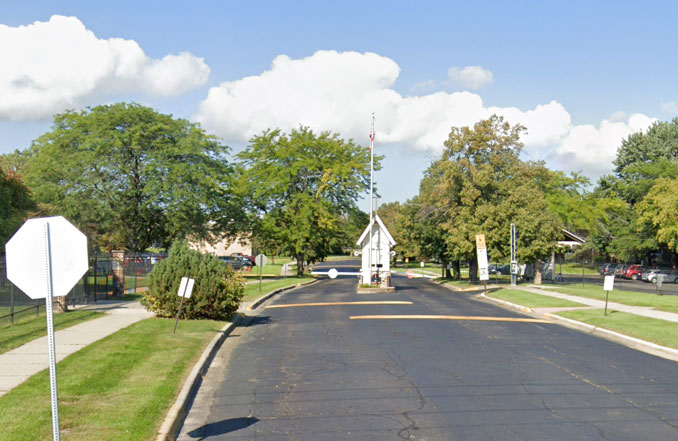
x=575 y=269
x=660 y=302
x=119 y=388
x=656 y=331
x=252 y=289
x=531 y=300
x=32 y=327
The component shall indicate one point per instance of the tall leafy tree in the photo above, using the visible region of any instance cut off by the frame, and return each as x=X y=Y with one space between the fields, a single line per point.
x=299 y=185
x=480 y=185
x=132 y=177
x=643 y=159
x=16 y=203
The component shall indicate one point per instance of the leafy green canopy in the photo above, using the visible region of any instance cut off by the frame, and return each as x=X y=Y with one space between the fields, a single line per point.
x=645 y=165
x=132 y=177
x=299 y=186
x=481 y=186
x=16 y=202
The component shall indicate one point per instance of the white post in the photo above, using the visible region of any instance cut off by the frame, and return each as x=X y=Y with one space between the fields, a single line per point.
x=369 y=257
x=50 y=336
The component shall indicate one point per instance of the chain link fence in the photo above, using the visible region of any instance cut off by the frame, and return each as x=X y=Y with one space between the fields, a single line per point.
x=110 y=276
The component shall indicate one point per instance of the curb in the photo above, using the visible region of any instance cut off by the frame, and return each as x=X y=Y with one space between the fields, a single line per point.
x=175 y=417
x=254 y=305
x=631 y=342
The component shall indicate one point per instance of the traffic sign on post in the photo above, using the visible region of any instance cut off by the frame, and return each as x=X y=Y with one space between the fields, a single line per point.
x=45 y=259
x=29 y=264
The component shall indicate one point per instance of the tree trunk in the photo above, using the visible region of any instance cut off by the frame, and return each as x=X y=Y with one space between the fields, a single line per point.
x=300 y=265
x=456 y=269
x=538 y=267
x=473 y=270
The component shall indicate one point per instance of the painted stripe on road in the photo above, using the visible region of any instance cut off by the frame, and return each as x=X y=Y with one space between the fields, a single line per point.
x=299 y=305
x=447 y=317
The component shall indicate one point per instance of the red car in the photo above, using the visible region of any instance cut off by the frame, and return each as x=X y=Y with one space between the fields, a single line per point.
x=633 y=272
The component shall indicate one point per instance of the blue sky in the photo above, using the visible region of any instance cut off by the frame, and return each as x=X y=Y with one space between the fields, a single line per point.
x=580 y=75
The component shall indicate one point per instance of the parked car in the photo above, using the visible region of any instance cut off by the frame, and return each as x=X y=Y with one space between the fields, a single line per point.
x=619 y=269
x=252 y=259
x=670 y=276
x=236 y=263
x=632 y=272
x=607 y=269
x=493 y=268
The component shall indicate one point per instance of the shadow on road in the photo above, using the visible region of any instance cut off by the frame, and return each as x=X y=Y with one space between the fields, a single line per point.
x=222 y=427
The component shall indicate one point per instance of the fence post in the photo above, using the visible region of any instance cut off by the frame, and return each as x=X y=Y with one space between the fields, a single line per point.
x=96 y=270
x=11 y=303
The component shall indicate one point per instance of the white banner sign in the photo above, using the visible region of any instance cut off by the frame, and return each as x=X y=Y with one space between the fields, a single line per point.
x=609 y=283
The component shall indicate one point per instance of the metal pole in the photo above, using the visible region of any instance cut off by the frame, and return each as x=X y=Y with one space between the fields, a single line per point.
x=181 y=305
x=369 y=256
x=513 y=254
x=11 y=303
x=607 y=293
x=50 y=336
x=260 y=265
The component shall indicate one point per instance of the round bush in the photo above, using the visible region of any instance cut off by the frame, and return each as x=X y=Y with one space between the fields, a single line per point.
x=216 y=294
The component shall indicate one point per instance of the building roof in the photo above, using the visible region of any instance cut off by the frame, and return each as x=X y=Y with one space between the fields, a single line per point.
x=376 y=219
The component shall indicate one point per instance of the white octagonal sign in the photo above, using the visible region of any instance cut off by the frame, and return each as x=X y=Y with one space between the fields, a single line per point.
x=44 y=246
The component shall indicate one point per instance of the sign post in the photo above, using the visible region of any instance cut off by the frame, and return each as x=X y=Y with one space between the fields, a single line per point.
x=422 y=264
x=483 y=267
x=185 y=290
x=260 y=260
x=45 y=259
x=608 y=286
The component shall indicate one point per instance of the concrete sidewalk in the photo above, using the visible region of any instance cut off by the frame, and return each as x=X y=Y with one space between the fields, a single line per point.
x=18 y=365
x=645 y=311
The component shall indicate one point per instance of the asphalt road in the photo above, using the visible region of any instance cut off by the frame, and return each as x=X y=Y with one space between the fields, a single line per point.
x=315 y=373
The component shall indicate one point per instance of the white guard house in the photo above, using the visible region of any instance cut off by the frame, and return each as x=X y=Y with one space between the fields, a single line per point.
x=382 y=241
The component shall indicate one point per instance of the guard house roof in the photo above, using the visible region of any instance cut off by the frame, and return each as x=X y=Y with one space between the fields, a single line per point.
x=570 y=239
x=376 y=219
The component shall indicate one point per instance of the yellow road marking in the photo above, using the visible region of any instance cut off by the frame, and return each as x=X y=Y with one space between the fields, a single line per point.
x=446 y=317
x=299 y=305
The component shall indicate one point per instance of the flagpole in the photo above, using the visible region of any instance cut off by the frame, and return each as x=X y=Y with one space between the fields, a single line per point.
x=369 y=259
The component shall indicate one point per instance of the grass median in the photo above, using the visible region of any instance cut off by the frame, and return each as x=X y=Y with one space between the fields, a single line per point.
x=252 y=291
x=531 y=300
x=668 y=303
x=30 y=328
x=119 y=388
x=657 y=331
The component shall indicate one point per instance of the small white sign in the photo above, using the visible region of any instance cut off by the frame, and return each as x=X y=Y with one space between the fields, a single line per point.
x=186 y=287
x=410 y=274
x=609 y=283
x=422 y=264
x=333 y=273
x=483 y=267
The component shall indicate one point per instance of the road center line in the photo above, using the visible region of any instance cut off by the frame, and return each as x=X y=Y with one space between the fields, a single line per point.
x=447 y=317
x=299 y=305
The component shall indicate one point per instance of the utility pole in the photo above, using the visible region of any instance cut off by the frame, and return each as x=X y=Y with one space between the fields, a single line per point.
x=369 y=258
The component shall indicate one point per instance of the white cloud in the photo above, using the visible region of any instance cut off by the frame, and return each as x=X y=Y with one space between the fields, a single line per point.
x=671 y=108
x=50 y=66
x=470 y=77
x=338 y=91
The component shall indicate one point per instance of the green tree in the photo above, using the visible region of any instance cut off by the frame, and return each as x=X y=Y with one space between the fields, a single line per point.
x=659 y=210
x=642 y=159
x=300 y=185
x=480 y=185
x=132 y=177
x=16 y=203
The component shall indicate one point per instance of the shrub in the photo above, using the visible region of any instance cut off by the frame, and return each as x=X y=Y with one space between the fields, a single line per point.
x=216 y=294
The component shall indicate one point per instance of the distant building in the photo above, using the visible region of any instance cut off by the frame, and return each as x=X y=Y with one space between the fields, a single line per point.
x=224 y=247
